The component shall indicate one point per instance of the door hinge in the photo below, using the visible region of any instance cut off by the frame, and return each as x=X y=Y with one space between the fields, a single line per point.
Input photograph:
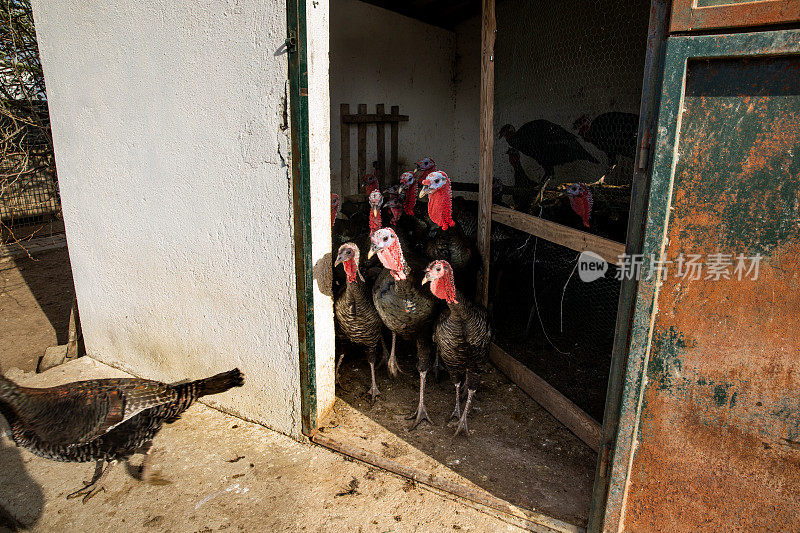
x=291 y=42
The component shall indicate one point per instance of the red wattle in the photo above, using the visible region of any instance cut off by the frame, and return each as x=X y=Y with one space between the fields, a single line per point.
x=392 y=258
x=374 y=221
x=444 y=288
x=582 y=205
x=440 y=206
x=351 y=269
x=397 y=212
x=411 y=199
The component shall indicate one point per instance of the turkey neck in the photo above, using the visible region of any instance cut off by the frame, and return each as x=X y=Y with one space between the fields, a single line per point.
x=405 y=288
x=458 y=308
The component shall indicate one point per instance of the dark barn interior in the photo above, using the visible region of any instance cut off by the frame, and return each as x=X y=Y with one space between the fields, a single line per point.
x=567 y=93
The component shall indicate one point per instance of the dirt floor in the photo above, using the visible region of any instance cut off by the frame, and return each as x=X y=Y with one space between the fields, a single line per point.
x=515 y=451
x=35 y=300
x=215 y=472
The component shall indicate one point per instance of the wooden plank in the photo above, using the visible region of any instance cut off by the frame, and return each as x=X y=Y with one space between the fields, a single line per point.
x=690 y=15
x=362 y=145
x=345 y=187
x=573 y=417
x=485 y=168
x=394 y=128
x=372 y=118
x=529 y=520
x=573 y=239
x=381 y=141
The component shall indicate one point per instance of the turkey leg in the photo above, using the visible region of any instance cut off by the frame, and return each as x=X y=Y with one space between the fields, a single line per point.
x=394 y=368
x=422 y=413
x=91 y=489
x=457 y=411
x=373 y=391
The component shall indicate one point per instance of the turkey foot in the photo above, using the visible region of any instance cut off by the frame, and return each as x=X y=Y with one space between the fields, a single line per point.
x=373 y=391
x=422 y=413
x=462 y=423
x=89 y=490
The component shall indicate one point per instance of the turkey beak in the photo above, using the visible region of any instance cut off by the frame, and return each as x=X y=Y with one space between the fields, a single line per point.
x=374 y=210
x=339 y=261
x=372 y=251
x=427 y=278
x=425 y=191
x=400 y=189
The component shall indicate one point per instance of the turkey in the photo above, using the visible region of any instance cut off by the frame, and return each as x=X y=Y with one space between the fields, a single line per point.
x=549 y=144
x=375 y=204
x=405 y=309
x=104 y=420
x=449 y=241
x=462 y=336
x=523 y=186
x=355 y=313
x=581 y=201
x=614 y=133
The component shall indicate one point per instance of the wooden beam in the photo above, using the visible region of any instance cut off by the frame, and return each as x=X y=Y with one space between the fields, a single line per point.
x=373 y=118
x=394 y=142
x=485 y=169
x=345 y=185
x=571 y=238
x=573 y=417
x=381 y=140
x=362 y=145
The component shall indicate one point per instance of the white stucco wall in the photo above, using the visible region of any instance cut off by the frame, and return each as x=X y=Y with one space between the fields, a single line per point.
x=172 y=165
x=378 y=56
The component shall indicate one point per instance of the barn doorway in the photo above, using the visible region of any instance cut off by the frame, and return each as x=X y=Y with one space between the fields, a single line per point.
x=558 y=170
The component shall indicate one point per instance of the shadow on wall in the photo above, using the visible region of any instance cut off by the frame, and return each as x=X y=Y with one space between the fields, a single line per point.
x=21 y=498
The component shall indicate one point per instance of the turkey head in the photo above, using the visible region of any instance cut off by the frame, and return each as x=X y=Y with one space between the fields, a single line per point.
x=375 y=204
x=580 y=199
x=387 y=246
x=348 y=257
x=440 y=204
x=443 y=284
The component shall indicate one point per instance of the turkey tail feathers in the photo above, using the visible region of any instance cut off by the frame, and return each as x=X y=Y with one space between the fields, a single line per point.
x=220 y=382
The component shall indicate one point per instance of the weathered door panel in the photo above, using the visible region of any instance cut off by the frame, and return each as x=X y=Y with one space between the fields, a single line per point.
x=690 y=15
x=710 y=438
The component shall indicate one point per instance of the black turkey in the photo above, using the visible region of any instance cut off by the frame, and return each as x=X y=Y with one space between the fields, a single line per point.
x=103 y=420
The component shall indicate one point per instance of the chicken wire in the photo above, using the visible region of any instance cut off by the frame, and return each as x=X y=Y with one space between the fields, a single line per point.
x=569 y=64
x=561 y=327
x=573 y=74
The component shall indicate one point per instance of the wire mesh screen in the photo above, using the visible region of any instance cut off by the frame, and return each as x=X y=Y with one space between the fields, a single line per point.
x=29 y=199
x=568 y=81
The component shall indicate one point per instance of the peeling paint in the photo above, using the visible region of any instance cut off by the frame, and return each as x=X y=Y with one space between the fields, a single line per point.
x=716 y=445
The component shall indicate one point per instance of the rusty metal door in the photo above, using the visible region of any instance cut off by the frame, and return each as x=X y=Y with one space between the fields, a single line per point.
x=694 y=15
x=709 y=433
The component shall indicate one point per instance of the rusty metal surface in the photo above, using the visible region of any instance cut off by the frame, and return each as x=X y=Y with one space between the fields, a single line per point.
x=719 y=423
x=694 y=15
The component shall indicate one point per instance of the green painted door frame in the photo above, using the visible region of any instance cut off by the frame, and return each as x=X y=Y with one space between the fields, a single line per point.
x=680 y=50
x=296 y=47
